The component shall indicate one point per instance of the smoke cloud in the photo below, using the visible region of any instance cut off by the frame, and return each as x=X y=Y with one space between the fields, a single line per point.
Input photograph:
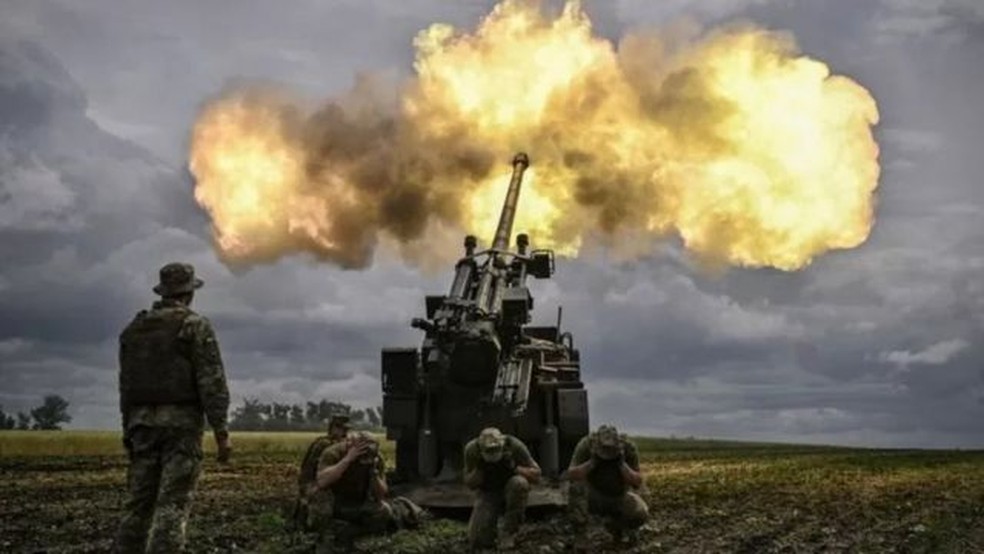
x=751 y=153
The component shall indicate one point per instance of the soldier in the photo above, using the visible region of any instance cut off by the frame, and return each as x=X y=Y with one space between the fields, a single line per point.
x=351 y=488
x=499 y=469
x=338 y=428
x=605 y=473
x=171 y=381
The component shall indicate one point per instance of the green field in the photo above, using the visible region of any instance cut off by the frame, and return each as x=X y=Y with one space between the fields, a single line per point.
x=62 y=492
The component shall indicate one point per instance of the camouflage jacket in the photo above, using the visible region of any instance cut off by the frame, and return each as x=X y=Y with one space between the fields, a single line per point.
x=606 y=476
x=202 y=348
x=355 y=484
x=495 y=475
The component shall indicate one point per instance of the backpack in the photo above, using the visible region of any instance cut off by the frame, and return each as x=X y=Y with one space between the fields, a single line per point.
x=154 y=365
x=306 y=479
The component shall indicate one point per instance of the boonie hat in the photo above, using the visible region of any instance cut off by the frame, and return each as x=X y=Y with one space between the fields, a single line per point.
x=177 y=278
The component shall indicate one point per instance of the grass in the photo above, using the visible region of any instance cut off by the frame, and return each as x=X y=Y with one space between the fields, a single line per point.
x=29 y=444
x=63 y=491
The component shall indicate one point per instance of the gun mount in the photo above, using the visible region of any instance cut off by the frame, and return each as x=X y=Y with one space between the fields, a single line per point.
x=481 y=364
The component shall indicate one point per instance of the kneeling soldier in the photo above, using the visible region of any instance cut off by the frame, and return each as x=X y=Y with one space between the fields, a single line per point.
x=351 y=488
x=499 y=469
x=605 y=473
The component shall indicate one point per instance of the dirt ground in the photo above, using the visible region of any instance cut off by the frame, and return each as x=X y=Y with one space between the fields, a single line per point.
x=704 y=497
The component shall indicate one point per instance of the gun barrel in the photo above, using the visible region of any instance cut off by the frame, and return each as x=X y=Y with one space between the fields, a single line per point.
x=502 y=233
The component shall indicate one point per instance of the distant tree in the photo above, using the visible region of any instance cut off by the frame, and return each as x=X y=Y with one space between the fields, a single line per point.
x=312 y=414
x=23 y=421
x=297 y=419
x=249 y=416
x=279 y=417
x=7 y=421
x=327 y=408
x=373 y=418
x=51 y=413
x=3 y=419
x=254 y=415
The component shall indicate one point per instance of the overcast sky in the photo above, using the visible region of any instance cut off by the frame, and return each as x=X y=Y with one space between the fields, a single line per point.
x=880 y=345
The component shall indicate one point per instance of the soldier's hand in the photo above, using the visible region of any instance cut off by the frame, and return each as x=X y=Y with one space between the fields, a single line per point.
x=223 y=448
x=524 y=472
x=357 y=450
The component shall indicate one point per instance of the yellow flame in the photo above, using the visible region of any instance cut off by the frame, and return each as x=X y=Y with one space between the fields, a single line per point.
x=751 y=153
x=241 y=176
x=536 y=215
x=799 y=176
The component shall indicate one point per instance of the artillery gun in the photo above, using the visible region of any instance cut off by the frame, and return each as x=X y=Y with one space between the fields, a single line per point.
x=480 y=365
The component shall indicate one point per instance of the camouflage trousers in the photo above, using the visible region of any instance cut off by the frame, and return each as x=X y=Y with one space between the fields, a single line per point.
x=625 y=512
x=510 y=503
x=164 y=467
x=337 y=523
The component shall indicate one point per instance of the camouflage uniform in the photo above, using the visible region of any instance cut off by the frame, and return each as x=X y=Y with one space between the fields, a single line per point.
x=605 y=492
x=499 y=489
x=349 y=506
x=338 y=426
x=163 y=439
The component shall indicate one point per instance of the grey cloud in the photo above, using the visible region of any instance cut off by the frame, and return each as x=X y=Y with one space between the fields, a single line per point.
x=936 y=354
x=192 y=48
x=913 y=140
x=69 y=288
x=955 y=20
x=34 y=198
x=644 y=12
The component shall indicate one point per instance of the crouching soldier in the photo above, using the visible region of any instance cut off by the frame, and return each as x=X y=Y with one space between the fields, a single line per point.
x=499 y=469
x=350 y=496
x=605 y=474
x=338 y=428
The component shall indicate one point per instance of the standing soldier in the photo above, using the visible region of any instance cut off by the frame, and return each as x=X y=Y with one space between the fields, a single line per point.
x=338 y=428
x=351 y=489
x=171 y=381
x=499 y=469
x=605 y=473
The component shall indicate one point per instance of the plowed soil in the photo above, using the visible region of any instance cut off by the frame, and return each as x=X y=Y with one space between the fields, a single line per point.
x=704 y=497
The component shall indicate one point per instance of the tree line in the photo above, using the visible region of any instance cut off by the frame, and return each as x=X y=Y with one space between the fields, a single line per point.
x=254 y=415
x=49 y=416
